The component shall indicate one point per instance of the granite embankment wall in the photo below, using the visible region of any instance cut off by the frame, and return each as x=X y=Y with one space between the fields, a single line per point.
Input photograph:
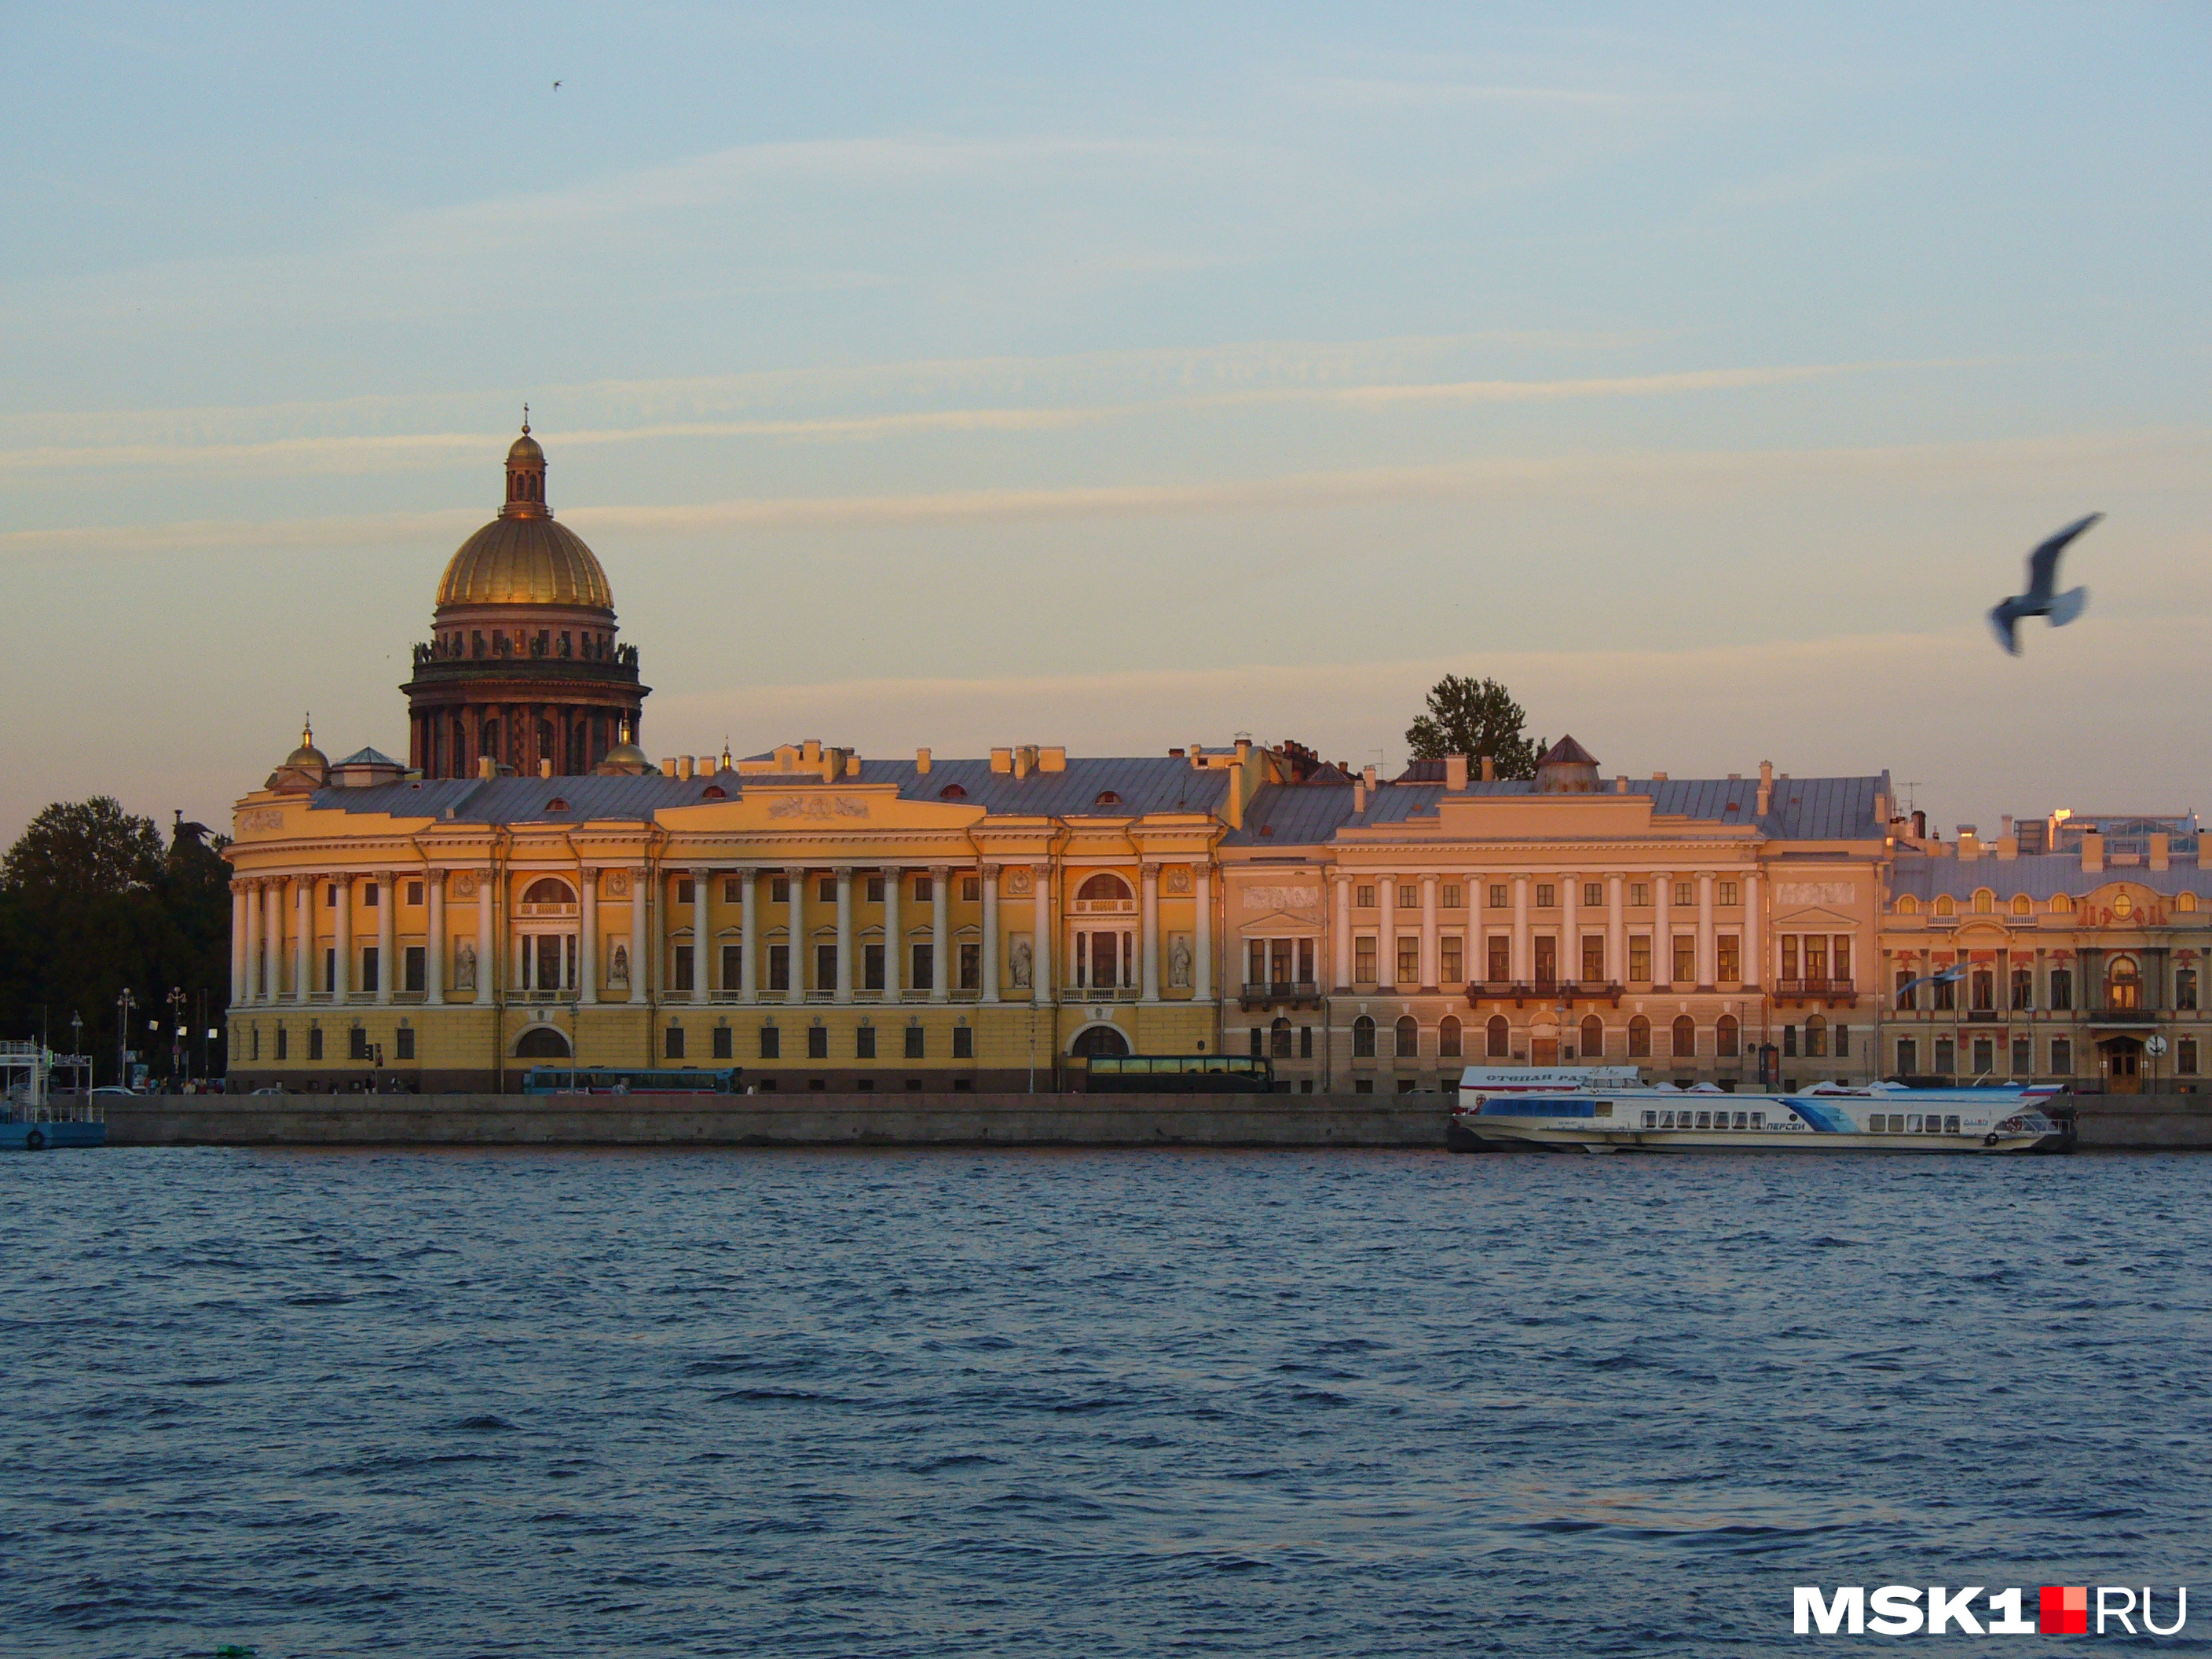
x=2104 y=1123
x=810 y=1120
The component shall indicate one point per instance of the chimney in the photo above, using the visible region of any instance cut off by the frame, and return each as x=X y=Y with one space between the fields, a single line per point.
x=1360 y=795
x=1174 y=754
x=1658 y=777
x=1620 y=784
x=2092 y=848
x=1198 y=758
x=1236 y=794
x=1456 y=774
x=852 y=764
x=1765 y=787
x=1054 y=759
x=921 y=762
x=811 y=753
x=545 y=768
x=683 y=766
x=1244 y=747
x=1024 y=758
x=1489 y=769
x=1367 y=775
x=487 y=766
x=2159 y=850
x=1919 y=824
x=1970 y=841
x=1002 y=760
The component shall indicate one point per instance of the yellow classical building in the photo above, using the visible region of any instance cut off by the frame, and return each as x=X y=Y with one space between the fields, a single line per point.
x=528 y=889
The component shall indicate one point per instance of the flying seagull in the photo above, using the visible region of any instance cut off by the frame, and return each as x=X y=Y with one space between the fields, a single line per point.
x=1950 y=976
x=556 y=86
x=2041 y=600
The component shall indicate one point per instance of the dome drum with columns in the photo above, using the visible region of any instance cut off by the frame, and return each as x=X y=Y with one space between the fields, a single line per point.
x=524 y=669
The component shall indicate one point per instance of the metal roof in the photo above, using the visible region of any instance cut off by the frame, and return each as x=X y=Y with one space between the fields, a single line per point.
x=2039 y=875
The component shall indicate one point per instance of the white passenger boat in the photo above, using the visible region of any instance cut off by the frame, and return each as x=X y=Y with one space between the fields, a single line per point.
x=1878 y=1117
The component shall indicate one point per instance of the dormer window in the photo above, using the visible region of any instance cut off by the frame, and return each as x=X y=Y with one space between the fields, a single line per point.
x=715 y=792
x=556 y=804
x=953 y=791
x=1107 y=798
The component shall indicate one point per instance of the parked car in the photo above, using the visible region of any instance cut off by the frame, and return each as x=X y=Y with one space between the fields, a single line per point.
x=115 y=1089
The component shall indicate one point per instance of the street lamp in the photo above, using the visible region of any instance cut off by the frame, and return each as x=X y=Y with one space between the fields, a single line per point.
x=176 y=1032
x=123 y=1005
x=76 y=1048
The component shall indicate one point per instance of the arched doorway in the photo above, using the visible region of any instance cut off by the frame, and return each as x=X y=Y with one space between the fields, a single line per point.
x=1098 y=1039
x=2122 y=1065
x=542 y=1042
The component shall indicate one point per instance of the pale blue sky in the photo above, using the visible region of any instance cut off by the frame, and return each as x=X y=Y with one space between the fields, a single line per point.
x=963 y=376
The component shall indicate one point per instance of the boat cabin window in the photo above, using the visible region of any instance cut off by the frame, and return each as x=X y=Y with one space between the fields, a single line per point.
x=1950 y=1126
x=1742 y=1120
x=1912 y=1124
x=1934 y=1124
x=1705 y=1120
x=1605 y=1109
x=1666 y=1120
x=1651 y=1120
x=1759 y=1120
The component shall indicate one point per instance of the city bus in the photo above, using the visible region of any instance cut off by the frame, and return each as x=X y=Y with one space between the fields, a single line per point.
x=1181 y=1074
x=625 y=1080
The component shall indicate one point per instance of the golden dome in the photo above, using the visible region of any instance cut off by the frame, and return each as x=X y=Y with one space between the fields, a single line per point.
x=525 y=560
x=306 y=754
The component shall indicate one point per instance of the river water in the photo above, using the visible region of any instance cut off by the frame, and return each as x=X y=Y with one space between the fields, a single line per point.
x=1081 y=1403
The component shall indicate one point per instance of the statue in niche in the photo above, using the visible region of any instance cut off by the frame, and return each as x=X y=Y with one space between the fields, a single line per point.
x=1018 y=961
x=464 y=967
x=619 y=965
x=1179 y=960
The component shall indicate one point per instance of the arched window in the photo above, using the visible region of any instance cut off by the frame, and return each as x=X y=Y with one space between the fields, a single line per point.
x=1279 y=1038
x=1500 y=1036
x=1099 y=1040
x=1639 y=1038
x=2185 y=901
x=1363 y=1038
x=715 y=791
x=1684 y=1037
x=1593 y=1046
x=1107 y=798
x=2022 y=905
x=953 y=791
x=556 y=804
x=1104 y=885
x=542 y=1042
x=1945 y=906
x=1409 y=1038
x=2123 y=983
x=547 y=890
x=1448 y=1038
x=2061 y=903
x=1985 y=902
x=1816 y=1038
x=1727 y=1038
x=1907 y=905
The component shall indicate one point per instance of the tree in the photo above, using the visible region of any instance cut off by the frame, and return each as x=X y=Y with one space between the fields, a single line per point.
x=83 y=849
x=1473 y=718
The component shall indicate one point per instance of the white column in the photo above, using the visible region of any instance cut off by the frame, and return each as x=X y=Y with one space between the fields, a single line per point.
x=268 y=944
x=487 y=958
x=1041 y=989
x=703 y=989
x=244 y=942
x=342 y=941
x=303 y=942
x=1343 y=931
x=844 y=988
x=1201 y=893
x=990 y=932
x=387 y=896
x=641 y=952
x=1616 y=931
x=1150 y=888
x=894 y=975
x=1524 y=969
x=1571 y=926
x=749 y=935
x=795 y=926
x=941 y=927
x=434 y=943
x=1386 y=947
x=587 y=940
x=1752 y=946
x=1707 y=974
x=1430 y=973
x=1662 y=929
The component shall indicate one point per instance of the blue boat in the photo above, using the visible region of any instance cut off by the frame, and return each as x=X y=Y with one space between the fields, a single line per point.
x=31 y=1119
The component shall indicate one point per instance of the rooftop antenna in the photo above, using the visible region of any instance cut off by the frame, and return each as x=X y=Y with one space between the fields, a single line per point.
x=1908 y=786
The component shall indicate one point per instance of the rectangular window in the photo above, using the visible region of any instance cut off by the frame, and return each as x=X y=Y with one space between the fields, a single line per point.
x=283 y=1043
x=414 y=895
x=1363 y=898
x=1842 y=1042
x=2184 y=1056
x=1259 y=1042
x=330 y=968
x=916 y=1043
x=1409 y=959
x=1816 y=956
x=778 y=967
x=771 y=1042
x=871 y=967
x=817 y=1043
x=2023 y=988
x=1547 y=959
x=1639 y=958
x=1985 y=1057
x=1685 y=959
x=357 y=1044
x=1789 y=955
x=369 y=892
x=778 y=889
x=403 y=1047
x=825 y=967
x=733 y=890
x=1455 y=960
x=863 y=1043
x=971 y=889
x=2062 y=992
x=1547 y=895
x=1409 y=895
x=1257 y=972
x=875 y=890
x=1685 y=894
x=314 y=1042
x=2184 y=989
x=2023 y=1056
x=1790 y=1041
x=1362 y=960
x=330 y=897
x=1639 y=895
x=924 y=977
x=725 y=1038
x=1840 y=959
x=825 y=889
x=925 y=889
x=1305 y=962
x=1908 y=1057
x=682 y=980
x=963 y=1042
x=1593 y=968
x=673 y=1044
x=733 y=967
x=1455 y=897
x=2062 y=1056
x=1593 y=894
x=1730 y=956
x=684 y=895
x=415 y=965
x=1947 y=993
x=971 y=966
x=1500 y=898
x=1499 y=969
x=1305 y=1044
x=1724 y=893
x=1946 y=1056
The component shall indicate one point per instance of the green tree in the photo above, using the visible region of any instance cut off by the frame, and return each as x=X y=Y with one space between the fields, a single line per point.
x=1473 y=718
x=83 y=849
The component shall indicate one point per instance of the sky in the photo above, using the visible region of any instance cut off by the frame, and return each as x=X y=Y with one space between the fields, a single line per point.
x=1122 y=377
